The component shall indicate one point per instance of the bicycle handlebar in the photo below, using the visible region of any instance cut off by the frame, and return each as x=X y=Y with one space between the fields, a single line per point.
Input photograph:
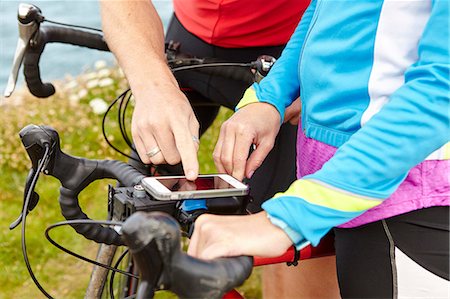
x=32 y=41
x=147 y=234
x=52 y=34
x=33 y=37
x=75 y=174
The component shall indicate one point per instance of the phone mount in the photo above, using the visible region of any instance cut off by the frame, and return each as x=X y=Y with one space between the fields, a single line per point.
x=125 y=201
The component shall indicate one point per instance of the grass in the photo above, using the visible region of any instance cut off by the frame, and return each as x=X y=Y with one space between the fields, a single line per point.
x=73 y=112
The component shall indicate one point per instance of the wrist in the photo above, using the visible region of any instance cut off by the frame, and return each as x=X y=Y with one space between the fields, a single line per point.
x=148 y=74
x=250 y=97
x=282 y=239
x=294 y=237
x=266 y=110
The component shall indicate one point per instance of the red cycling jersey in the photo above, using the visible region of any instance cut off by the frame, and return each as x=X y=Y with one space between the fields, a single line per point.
x=241 y=23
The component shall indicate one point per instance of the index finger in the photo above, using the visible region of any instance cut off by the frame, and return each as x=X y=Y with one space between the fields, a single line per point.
x=188 y=151
x=240 y=154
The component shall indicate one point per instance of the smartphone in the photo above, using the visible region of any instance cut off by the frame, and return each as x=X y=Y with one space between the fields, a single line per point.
x=205 y=186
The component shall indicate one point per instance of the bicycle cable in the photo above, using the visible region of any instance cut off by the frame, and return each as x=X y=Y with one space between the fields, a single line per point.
x=121 y=115
x=119 y=98
x=71 y=25
x=213 y=64
x=24 y=216
x=84 y=221
x=113 y=274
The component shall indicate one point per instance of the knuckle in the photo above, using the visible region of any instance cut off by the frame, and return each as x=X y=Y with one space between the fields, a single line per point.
x=226 y=123
x=196 y=124
x=258 y=163
x=146 y=124
x=134 y=130
x=239 y=159
x=157 y=160
x=201 y=220
x=267 y=145
x=241 y=128
x=227 y=162
x=144 y=159
x=151 y=125
x=216 y=157
x=223 y=128
x=233 y=126
x=134 y=133
x=205 y=227
x=141 y=124
x=173 y=159
x=227 y=127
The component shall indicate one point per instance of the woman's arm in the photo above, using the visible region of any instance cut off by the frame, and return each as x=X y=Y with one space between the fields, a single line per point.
x=370 y=166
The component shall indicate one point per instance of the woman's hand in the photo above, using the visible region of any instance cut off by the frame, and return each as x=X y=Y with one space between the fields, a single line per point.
x=220 y=236
x=255 y=125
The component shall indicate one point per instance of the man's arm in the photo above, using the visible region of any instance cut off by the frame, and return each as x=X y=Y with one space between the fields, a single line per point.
x=163 y=116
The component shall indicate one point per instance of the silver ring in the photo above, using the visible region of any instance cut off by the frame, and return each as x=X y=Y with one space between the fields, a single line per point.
x=196 y=139
x=153 y=152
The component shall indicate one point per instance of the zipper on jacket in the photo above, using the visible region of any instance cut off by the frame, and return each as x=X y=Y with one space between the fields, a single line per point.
x=313 y=22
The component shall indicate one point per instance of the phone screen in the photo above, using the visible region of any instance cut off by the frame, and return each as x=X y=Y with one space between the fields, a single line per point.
x=201 y=183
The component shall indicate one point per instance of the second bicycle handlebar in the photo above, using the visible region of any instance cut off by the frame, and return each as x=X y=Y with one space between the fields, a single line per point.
x=156 y=233
x=75 y=174
x=153 y=238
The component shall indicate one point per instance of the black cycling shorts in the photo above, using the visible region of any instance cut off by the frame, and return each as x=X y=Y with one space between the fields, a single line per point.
x=406 y=256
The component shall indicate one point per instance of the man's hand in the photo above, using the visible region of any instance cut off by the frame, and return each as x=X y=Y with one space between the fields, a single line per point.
x=164 y=127
x=256 y=125
x=219 y=236
x=164 y=120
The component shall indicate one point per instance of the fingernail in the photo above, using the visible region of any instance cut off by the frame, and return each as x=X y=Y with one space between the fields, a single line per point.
x=250 y=174
x=191 y=175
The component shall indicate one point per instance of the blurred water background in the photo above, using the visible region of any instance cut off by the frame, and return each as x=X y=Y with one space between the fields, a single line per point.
x=58 y=60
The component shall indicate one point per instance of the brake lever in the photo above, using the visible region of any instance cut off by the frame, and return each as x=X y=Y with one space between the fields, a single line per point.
x=29 y=19
x=33 y=200
x=35 y=139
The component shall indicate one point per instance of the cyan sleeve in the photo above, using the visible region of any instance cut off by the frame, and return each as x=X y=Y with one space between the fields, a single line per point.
x=370 y=166
x=281 y=86
x=295 y=237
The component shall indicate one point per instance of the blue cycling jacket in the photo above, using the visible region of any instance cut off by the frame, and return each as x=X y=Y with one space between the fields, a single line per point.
x=373 y=77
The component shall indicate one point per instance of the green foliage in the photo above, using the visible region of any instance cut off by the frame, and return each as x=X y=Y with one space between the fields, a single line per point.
x=75 y=112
